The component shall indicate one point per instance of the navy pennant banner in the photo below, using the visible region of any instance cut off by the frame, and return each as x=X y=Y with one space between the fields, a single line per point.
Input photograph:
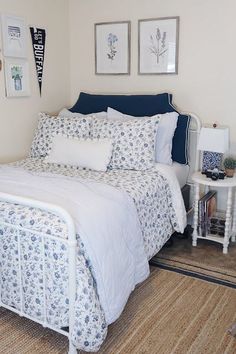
x=38 y=36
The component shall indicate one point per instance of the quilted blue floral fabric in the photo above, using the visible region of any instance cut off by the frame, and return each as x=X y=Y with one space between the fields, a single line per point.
x=152 y=197
x=49 y=126
x=133 y=141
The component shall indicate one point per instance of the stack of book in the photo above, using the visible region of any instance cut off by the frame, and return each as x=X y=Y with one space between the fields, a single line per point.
x=206 y=210
x=217 y=225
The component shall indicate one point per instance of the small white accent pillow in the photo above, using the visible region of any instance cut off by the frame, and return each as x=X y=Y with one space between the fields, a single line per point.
x=94 y=154
x=164 y=135
x=66 y=113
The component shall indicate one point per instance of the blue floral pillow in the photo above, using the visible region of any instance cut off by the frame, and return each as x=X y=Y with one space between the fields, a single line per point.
x=49 y=126
x=133 y=141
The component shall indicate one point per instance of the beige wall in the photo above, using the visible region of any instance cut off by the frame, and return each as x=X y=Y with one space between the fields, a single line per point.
x=18 y=116
x=206 y=83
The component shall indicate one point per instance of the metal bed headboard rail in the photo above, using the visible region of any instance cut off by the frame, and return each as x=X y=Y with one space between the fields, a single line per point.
x=193 y=153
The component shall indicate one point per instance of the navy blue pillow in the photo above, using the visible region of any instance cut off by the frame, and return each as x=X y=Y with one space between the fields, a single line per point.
x=135 y=105
x=139 y=106
x=180 y=140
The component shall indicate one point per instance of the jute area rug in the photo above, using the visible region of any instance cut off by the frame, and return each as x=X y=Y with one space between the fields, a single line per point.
x=206 y=261
x=167 y=314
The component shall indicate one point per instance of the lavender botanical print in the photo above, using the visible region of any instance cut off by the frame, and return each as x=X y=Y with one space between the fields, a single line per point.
x=158 y=45
x=152 y=197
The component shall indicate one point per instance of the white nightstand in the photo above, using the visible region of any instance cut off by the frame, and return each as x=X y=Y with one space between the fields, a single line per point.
x=230 y=216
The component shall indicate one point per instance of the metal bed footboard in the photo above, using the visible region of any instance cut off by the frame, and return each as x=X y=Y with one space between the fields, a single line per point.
x=70 y=242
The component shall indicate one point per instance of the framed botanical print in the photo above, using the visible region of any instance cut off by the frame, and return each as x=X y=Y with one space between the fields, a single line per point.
x=17 y=77
x=14 y=36
x=158 y=45
x=112 y=48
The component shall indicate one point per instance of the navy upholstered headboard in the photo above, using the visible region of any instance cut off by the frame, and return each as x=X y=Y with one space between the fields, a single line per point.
x=139 y=106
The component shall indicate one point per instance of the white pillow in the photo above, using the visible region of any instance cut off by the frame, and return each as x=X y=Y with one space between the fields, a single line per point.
x=93 y=154
x=66 y=113
x=164 y=135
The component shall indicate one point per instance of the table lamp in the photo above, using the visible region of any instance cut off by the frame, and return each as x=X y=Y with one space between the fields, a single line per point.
x=214 y=142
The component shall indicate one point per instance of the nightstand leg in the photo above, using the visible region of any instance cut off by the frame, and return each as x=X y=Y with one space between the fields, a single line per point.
x=228 y=221
x=234 y=220
x=195 y=217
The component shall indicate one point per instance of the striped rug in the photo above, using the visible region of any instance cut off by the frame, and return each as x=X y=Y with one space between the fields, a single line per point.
x=206 y=261
x=167 y=314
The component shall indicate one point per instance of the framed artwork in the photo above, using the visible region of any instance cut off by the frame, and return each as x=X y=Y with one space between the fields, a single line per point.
x=112 y=48
x=17 y=77
x=158 y=45
x=14 y=36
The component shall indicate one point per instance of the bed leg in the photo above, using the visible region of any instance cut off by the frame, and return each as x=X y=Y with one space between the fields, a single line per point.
x=72 y=349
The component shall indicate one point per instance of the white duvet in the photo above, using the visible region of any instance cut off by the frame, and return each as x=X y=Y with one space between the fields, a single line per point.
x=107 y=222
x=177 y=199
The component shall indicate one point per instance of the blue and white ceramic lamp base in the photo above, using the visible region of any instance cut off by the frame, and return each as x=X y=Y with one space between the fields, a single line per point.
x=211 y=160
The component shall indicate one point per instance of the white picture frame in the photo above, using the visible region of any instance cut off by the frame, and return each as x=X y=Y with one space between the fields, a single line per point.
x=158 y=46
x=112 y=48
x=17 y=77
x=14 y=36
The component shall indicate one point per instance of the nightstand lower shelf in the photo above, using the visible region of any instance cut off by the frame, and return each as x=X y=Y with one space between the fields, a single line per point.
x=230 y=212
x=214 y=238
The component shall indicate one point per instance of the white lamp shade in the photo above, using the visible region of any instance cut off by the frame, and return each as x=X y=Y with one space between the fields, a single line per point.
x=214 y=139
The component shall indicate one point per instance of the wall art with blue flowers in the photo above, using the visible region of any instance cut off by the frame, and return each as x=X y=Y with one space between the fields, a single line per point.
x=112 y=48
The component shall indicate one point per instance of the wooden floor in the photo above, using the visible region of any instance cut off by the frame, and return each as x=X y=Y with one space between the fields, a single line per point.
x=205 y=259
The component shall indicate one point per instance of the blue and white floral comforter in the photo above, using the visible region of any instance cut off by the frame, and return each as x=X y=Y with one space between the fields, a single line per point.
x=156 y=209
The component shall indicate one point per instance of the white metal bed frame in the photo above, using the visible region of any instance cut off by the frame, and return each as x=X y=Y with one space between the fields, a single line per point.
x=71 y=241
x=194 y=154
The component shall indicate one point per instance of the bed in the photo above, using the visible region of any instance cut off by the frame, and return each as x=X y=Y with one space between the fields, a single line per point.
x=76 y=241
